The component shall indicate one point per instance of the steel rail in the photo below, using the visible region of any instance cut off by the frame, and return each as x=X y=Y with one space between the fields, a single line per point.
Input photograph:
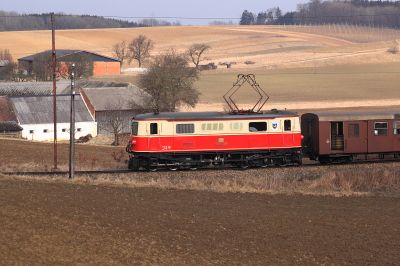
x=216 y=168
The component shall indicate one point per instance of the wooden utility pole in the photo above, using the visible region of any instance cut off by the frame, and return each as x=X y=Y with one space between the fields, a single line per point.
x=54 y=64
x=72 y=126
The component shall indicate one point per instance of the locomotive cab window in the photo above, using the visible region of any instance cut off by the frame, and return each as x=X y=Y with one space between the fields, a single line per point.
x=380 y=129
x=396 y=128
x=153 y=129
x=257 y=126
x=135 y=128
x=185 y=128
x=287 y=125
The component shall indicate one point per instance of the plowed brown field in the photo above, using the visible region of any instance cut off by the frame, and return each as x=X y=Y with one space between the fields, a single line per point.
x=56 y=223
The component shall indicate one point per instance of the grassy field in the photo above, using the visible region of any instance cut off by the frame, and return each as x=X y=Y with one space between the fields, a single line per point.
x=19 y=155
x=303 y=88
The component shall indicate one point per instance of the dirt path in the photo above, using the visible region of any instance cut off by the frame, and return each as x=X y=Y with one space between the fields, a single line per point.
x=53 y=223
x=325 y=40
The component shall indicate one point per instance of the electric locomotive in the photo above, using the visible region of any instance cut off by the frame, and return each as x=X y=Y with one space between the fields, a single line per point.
x=201 y=139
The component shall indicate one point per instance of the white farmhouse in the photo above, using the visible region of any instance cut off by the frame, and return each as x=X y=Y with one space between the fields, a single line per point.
x=35 y=115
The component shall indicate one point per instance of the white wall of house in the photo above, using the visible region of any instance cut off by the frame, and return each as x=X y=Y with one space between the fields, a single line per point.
x=45 y=132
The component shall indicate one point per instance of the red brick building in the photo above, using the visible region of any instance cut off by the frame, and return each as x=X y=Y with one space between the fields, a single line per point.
x=102 y=65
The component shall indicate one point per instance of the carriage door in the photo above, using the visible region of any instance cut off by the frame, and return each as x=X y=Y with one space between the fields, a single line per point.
x=337 y=137
x=356 y=137
x=154 y=137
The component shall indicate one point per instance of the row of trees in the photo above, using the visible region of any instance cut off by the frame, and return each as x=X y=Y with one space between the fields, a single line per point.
x=12 y=21
x=359 y=12
x=140 y=47
x=269 y=17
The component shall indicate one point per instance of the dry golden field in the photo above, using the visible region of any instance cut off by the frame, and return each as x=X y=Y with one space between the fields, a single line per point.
x=267 y=46
x=299 y=66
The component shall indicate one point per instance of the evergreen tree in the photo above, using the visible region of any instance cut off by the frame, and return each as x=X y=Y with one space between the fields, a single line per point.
x=247 y=18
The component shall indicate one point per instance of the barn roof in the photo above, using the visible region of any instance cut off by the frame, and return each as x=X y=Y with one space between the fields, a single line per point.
x=33 y=88
x=38 y=109
x=10 y=127
x=6 y=111
x=114 y=98
x=181 y=116
x=355 y=116
x=64 y=53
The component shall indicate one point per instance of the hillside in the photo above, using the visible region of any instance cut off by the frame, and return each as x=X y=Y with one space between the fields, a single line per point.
x=301 y=64
x=266 y=46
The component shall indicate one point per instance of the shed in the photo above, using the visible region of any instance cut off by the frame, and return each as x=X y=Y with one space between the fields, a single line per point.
x=35 y=115
x=102 y=65
x=113 y=103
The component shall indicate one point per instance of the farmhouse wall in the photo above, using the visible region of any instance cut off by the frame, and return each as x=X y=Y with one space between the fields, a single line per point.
x=45 y=132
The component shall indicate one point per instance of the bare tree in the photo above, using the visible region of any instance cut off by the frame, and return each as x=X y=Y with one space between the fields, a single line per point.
x=169 y=82
x=196 y=51
x=83 y=65
x=139 y=49
x=7 y=65
x=42 y=66
x=120 y=51
x=113 y=120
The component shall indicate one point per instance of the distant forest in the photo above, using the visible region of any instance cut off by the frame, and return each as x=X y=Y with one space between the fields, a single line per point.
x=12 y=21
x=358 y=12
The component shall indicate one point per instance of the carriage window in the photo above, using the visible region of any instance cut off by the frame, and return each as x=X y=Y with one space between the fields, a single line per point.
x=381 y=129
x=257 y=126
x=135 y=128
x=288 y=125
x=354 y=130
x=153 y=128
x=396 y=128
x=184 y=128
x=236 y=126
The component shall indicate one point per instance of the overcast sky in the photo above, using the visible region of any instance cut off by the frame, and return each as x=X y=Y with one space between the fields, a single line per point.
x=151 y=8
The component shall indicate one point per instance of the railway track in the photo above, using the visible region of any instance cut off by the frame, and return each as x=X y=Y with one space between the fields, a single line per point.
x=126 y=171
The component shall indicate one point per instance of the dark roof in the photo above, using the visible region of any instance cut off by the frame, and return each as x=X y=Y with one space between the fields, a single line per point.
x=6 y=110
x=34 y=88
x=213 y=115
x=38 y=109
x=114 y=98
x=10 y=127
x=63 y=54
x=355 y=116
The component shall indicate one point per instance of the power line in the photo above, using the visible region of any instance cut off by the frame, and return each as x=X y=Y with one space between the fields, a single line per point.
x=200 y=18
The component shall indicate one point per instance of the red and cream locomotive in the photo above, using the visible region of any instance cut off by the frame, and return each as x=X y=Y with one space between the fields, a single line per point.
x=193 y=140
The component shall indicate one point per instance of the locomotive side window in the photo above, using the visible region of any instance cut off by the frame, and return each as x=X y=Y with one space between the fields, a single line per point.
x=396 y=126
x=287 y=125
x=212 y=126
x=257 y=126
x=184 y=128
x=380 y=128
x=354 y=130
x=135 y=128
x=153 y=129
x=236 y=126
